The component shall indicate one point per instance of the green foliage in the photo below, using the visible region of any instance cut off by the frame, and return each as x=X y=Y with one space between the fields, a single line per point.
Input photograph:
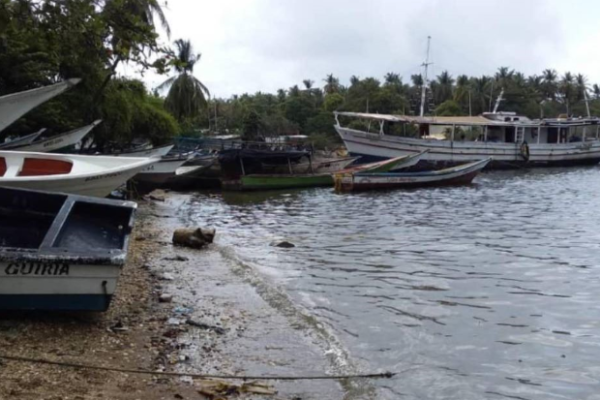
x=448 y=108
x=45 y=41
x=333 y=102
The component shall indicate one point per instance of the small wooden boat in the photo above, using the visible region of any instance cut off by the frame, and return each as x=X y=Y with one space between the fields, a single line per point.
x=58 y=142
x=60 y=252
x=66 y=173
x=161 y=171
x=15 y=105
x=291 y=181
x=21 y=141
x=459 y=175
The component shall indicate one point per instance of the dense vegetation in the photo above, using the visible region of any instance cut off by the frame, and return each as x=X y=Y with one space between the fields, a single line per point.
x=46 y=41
x=307 y=109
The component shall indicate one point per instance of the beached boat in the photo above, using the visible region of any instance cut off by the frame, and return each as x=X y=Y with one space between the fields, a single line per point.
x=291 y=181
x=21 y=141
x=14 y=106
x=58 y=142
x=60 y=252
x=511 y=140
x=459 y=175
x=66 y=173
x=151 y=152
x=161 y=171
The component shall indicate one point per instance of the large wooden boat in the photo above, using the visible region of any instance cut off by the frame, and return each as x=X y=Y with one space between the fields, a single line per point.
x=60 y=252
x=14 y=106
x=511 y=140
x=54 y=143
x=84 y=175
x=459 y=175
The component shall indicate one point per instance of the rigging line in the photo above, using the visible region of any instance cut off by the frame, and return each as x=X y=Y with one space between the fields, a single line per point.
x=199 y=376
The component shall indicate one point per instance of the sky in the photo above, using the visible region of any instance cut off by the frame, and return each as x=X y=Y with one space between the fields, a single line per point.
x=263 y=45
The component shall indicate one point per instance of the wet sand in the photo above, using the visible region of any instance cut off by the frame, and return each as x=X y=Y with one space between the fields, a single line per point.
x=258 y=337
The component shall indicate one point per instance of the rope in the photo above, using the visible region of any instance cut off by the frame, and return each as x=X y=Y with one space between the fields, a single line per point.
x=198 y=376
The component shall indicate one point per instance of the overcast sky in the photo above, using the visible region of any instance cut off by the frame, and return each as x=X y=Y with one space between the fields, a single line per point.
x=262 y=45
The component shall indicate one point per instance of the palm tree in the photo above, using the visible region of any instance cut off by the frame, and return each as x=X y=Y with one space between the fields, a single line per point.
x=308 y=84
x=567 y=90
x=354 y=80
x=417 y=80
x=580 y=87
x=187 y=95
x=393 y=79
x=596 y=90
x=294 y=91
x=550 y=86
x=443 y=88
x=332 y=84
x=281 y=95
x=481 y=88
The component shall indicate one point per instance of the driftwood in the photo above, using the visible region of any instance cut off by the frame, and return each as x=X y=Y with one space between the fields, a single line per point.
x=194 y=238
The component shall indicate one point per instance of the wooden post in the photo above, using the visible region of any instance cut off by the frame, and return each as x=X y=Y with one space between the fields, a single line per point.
x=597 y=128
x=452 y=136
x=485 y=132
x=290 y=166
x=584 y=133
x=539 y=134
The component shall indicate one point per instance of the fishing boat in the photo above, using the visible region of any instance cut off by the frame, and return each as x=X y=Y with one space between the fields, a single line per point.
x=61 y=252
x=21 y=141
x=14 y=106
x=290 y=181
x=84 y=175
x=459 y=175
x=511 y=140
x=54 y=143
x=160 y=172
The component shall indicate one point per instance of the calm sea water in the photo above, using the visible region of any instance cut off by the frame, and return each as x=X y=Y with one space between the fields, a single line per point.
x=483 y=292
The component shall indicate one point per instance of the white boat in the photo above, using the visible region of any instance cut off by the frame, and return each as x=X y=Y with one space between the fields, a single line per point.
x=14 y=106
x=162 y=171
x=21 y=141
x=60 y=252
x=84 y=175
x=60 y=141
x=151 y=152
x=511 y=140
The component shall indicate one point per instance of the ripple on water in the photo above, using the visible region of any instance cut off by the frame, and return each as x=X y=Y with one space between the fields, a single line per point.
x=489 y=291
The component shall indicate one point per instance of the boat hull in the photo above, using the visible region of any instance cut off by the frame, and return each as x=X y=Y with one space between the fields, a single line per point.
x=462 y=175
x=58 y=142
x=448 y=153
x=57 y=286
x=277 y=182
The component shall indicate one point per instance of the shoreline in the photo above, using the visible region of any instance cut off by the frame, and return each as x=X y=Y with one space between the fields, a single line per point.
x=249 y=335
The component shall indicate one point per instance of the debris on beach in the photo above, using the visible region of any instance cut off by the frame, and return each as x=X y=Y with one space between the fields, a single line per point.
x=195 y=238
x=284 y=245
x=214 y=389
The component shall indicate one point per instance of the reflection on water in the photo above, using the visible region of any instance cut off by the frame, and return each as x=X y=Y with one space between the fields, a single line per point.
x=487 y=291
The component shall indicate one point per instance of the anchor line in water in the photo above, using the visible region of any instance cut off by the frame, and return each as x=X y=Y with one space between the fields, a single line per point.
x=381 y=375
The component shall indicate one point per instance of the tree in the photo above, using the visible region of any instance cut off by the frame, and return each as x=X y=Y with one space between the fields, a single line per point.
x=187 y=95
x=442 y=91
x=332 y=84
x=308 y=84
x=448 y=108
x=567 y=90
x=549 y=85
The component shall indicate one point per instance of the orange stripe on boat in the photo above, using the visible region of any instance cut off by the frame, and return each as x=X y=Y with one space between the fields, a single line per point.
x=2 y=166
x=42 y=167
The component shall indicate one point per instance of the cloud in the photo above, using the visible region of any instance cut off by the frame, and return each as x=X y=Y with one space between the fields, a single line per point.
x=262 y=45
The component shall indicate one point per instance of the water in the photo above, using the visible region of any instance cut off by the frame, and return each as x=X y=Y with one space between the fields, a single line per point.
x=483 y=292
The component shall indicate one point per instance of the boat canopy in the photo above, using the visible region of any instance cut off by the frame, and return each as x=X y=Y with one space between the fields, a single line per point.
x=470 y=121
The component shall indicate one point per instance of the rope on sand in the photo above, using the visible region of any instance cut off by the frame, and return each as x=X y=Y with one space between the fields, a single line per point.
x=198 y=376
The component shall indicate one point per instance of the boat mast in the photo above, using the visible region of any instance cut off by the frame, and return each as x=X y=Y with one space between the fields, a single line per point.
x=498 y=100
x=587 y=103
x=426 y=64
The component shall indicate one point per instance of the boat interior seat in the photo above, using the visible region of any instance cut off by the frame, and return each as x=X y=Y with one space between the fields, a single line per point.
x=44 y=167
x=2 y=166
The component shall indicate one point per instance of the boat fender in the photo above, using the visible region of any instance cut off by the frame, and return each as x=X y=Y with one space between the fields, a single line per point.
x=525 y=151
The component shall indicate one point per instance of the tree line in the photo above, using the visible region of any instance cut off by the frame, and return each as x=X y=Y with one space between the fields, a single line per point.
x=307 y=108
